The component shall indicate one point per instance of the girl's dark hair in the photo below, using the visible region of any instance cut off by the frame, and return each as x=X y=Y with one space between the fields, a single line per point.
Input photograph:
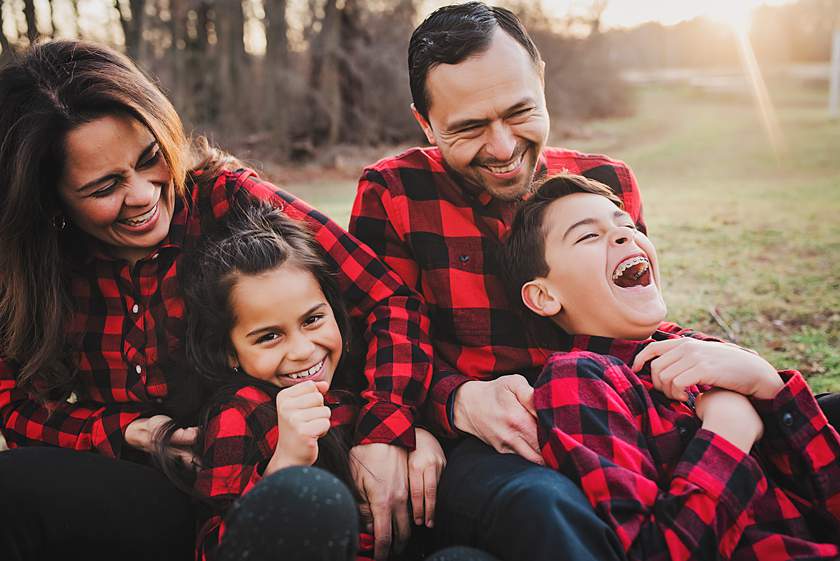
x=45 y=93
x=454 y=33
x=253 y=238
x=523 y=257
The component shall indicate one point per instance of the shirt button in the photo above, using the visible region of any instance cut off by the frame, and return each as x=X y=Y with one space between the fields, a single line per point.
x=682 y=431
x=158 y=400
x=787 y=420
x=138 y=369
x=464 y=258
x=135 y=308
x=155 y=255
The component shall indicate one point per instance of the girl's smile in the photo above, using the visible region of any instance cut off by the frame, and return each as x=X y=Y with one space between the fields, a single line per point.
x=284 y=329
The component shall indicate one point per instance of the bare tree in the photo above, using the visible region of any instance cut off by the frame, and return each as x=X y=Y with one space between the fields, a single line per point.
x=31 y=25
x=4 y=41
x=277 y=62
x=132 y=22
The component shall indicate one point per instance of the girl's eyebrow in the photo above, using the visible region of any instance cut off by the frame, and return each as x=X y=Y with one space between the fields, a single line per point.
x=112 y=175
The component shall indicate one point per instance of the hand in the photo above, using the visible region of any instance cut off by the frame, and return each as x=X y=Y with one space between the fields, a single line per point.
x=732 y=416
x=424 y=466
x=381 y=475
x=143 y=434
x=302 y=418
x=501 y=413
x=680 y=363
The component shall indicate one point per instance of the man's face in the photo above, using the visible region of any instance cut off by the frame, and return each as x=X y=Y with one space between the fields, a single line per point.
x=488 y=117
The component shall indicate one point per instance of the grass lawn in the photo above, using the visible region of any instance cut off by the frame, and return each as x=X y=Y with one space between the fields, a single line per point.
x=749 y=243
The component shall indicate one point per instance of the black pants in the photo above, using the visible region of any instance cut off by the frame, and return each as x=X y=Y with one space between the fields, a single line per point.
x=517 y=510
x=302 y=514
x=63 y=504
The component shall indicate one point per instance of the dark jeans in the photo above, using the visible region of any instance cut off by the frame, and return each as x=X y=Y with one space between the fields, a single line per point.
x=517 y=510
x=302 y=514
x=63 y=504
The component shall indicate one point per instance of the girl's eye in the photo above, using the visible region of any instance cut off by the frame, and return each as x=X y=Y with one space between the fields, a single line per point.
x=631 y=226
x=312 y=320
x=151 y=160
x=267 y=337
x=587 y=237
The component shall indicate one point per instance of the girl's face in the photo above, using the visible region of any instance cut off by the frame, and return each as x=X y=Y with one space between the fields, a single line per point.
x=284 y=329
x=117 y=186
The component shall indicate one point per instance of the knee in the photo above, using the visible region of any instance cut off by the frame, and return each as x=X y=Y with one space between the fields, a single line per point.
x=556 y=498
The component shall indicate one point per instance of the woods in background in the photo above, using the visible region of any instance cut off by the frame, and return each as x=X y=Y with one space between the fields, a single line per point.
x=285 y=79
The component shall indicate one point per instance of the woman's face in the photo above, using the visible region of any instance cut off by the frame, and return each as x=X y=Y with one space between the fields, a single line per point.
x=117 y=186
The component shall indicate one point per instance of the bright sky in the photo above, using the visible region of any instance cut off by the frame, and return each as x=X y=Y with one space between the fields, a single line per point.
x=629 y=13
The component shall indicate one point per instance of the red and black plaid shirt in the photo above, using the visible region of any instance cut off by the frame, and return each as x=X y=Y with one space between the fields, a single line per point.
x=674 y=491
x=444 y=241
x=129 y=325
x=239 y=440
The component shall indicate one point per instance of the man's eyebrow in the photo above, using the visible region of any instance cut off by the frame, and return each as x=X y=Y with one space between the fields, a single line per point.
x=98 y=180
x=467 y=123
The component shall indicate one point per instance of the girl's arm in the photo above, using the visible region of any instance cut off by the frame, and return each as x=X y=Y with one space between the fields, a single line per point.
x=591 y=412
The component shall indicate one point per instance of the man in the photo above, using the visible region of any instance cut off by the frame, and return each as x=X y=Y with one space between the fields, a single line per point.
x=436 y=216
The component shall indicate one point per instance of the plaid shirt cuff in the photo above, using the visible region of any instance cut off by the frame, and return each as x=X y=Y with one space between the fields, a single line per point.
x=793 y=420
x=726 y=474
x=384 y=422
x=440 y=406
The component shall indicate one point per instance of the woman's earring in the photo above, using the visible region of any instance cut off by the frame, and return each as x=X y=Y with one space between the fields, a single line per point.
x=236 y=370
x=59 y=222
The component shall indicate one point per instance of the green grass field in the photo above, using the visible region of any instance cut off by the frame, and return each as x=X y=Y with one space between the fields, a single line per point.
x=749 y=243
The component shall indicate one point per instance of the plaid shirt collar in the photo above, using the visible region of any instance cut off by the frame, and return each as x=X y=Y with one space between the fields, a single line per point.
x=623 y=349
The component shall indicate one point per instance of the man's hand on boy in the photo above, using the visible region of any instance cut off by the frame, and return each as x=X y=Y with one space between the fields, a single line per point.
x=425 y=464
x=501 y=413
x=730 y=415
x=676 y=364
x=302 y=418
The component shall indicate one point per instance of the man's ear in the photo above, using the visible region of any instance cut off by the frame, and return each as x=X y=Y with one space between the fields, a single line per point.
x=424 y=124
x=540 y=299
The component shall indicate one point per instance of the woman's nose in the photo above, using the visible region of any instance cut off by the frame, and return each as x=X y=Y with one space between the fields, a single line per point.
x=141 y=192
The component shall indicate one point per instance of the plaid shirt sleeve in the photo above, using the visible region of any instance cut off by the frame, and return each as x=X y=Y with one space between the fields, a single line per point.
x=235 y=439
x=398 y=365
x=372 y=220
x=591 y=411
x=84 y=426
x=801 y=445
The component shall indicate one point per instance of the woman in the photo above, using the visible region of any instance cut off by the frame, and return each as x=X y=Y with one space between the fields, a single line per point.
x=100 y=193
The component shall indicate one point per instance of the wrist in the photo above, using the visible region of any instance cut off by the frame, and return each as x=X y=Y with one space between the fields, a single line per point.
x=741 y=437
x=280 y=460
x=769 y=386
x=460 y=407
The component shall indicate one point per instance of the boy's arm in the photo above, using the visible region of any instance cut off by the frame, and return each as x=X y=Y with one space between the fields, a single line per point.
x=591 y=412
x=802 y=446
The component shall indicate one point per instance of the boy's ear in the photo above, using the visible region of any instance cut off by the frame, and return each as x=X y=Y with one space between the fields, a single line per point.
x=540 y=299
x=424 y=124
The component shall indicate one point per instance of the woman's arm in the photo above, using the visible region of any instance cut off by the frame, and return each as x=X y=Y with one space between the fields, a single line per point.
x=84 y=425
x=591 y=411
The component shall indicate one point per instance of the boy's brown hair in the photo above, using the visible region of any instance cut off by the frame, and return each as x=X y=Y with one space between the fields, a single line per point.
x=523 y=256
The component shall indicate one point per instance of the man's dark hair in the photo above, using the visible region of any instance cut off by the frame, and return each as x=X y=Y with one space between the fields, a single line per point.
x=523 y=257
x=452 y=34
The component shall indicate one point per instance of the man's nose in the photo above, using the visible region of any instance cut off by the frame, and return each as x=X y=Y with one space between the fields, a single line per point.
x=501 y=143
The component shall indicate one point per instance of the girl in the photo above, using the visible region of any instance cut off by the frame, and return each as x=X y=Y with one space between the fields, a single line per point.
x=267 y=336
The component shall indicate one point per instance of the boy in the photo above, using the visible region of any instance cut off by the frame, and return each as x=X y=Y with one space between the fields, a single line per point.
x=749 y=470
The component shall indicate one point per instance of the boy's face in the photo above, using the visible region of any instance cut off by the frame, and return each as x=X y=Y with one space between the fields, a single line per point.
x=603 y=275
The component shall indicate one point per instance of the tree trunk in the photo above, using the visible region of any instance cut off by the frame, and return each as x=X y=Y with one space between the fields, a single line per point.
x=230 y=23
x=277 y=66
x=326 y=75
x=31 y=26
x=132 y=27
x=178 y=23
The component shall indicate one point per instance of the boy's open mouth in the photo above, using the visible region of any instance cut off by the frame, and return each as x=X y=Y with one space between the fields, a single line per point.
x=632 y=271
